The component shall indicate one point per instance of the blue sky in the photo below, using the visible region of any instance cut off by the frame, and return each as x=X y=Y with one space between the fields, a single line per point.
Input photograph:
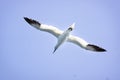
x=26 y=53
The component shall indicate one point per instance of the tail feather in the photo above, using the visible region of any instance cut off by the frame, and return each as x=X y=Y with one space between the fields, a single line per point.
x=54 y=50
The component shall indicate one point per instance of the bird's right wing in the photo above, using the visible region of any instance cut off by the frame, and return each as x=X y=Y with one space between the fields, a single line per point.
x=47 y=28
x=78 y=41
x=82 y=43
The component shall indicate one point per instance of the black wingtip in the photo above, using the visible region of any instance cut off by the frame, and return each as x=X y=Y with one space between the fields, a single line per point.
x=31 y=21
x=28 y=20
x=96 y=48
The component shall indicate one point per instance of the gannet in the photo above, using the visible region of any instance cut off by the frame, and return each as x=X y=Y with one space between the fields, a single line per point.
x=64 y=36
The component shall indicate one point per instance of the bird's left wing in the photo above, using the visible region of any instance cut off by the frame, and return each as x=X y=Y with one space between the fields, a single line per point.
x=84 y=44
x=47 y=28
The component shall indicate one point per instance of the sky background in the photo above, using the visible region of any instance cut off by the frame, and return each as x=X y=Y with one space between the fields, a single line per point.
x=26 y=53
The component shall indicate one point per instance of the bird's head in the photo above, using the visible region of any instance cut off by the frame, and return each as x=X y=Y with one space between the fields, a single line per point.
x=71 y=27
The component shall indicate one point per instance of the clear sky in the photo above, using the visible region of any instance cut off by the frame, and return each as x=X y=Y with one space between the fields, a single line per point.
x=26 y=53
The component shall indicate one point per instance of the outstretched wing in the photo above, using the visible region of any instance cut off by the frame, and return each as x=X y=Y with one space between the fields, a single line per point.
x=47 y=28
x=82 y=43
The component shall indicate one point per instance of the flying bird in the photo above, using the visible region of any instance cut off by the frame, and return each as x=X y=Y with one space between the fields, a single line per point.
x=64 y=36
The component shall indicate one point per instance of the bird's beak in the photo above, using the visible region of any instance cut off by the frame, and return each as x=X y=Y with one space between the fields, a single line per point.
x=71 y=27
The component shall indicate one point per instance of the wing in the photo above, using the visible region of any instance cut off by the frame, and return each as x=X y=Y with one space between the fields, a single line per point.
x=84 y=44
x=47 y=28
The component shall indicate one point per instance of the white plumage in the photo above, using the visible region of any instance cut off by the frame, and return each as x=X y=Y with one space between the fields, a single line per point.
x=64 y=36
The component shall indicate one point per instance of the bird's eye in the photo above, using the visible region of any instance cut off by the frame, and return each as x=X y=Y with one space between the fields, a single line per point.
x=70 y=29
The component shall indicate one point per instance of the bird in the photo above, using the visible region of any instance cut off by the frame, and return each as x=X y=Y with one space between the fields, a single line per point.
x=64 y=36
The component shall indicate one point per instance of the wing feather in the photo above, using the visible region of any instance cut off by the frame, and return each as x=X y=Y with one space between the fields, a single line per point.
x=78 y=41
x=47 y=28
x=84 y=44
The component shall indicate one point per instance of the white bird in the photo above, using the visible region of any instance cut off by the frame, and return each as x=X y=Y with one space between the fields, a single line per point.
x=64 y=36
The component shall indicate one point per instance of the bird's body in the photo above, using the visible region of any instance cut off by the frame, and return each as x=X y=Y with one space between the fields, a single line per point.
x=64 y=36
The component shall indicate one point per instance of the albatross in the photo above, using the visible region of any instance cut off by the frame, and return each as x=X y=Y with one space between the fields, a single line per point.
x=64 y=36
